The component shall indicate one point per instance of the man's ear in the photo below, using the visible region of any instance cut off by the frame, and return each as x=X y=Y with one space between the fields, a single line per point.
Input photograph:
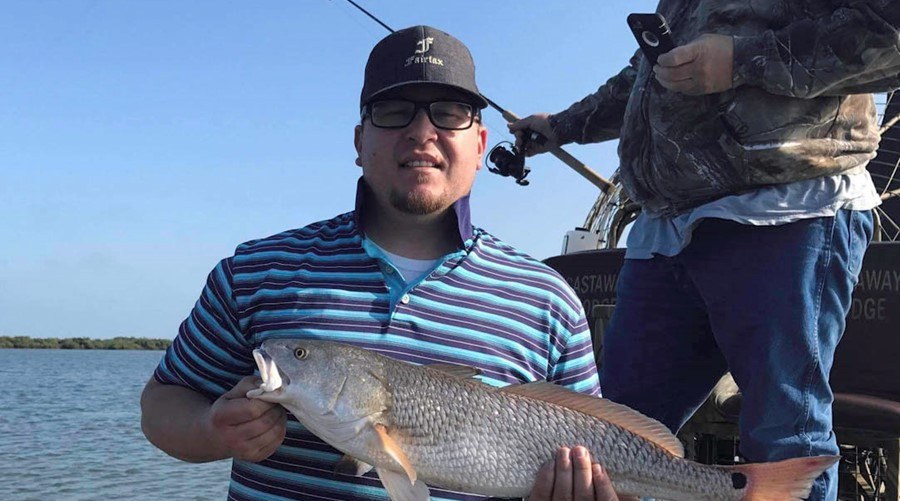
x=357 y=142
x=482 y=145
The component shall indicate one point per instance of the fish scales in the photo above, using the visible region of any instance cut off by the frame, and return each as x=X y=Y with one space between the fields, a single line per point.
x=434 y=425
x=459 y=433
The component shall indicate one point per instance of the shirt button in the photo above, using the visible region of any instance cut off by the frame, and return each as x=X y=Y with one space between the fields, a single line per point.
x=405 y=299
x=388 y=270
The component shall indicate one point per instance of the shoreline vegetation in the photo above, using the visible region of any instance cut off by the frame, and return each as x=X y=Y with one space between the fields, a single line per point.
x=84 y=343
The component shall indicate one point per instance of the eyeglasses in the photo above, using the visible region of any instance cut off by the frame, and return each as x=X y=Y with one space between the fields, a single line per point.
x=398 y=113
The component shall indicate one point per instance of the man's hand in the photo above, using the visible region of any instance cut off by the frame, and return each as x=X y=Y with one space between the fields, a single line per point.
x=572 y=477
x=701 y=67
x=250 y=429
x=540 y=123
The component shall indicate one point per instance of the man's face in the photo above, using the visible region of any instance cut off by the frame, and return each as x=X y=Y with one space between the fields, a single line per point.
x=420 y=169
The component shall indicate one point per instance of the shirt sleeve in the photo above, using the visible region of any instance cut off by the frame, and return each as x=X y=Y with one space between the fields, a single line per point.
x=856 y=49
x=599 y=116
x=210 y=354
x=574 y=367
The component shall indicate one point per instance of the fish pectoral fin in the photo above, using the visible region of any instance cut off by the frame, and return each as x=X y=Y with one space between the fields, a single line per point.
x=460 y=371
x=393 y=450
x=601 y=408
x=400 y=489
x=349 y=465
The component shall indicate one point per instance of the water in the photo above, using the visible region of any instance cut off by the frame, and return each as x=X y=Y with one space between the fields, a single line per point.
x=70 y=430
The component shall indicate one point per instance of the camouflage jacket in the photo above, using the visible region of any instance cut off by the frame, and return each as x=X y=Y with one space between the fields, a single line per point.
x=801 y=107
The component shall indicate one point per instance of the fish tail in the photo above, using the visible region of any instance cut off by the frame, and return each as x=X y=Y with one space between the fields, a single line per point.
x=787 y=480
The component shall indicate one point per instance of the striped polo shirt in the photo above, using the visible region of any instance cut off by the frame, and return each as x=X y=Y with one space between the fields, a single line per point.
x=486 y=305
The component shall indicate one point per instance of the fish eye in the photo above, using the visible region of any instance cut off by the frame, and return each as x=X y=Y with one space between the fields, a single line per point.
x=300 y=353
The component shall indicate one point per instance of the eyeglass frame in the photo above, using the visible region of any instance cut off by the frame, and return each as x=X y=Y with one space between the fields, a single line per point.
x=366 y=111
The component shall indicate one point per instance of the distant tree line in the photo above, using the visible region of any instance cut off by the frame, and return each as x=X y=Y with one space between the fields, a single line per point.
x=83 y=343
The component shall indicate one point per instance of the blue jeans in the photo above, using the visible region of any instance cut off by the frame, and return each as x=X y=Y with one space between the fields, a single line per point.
x=768 y=303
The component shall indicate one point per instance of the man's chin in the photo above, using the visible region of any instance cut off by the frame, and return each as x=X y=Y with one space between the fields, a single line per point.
x=418 y=203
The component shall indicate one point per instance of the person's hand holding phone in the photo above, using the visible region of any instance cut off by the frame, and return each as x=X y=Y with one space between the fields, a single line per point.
x=701 y=67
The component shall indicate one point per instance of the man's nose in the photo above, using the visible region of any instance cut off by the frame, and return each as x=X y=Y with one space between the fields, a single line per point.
x=421 y=128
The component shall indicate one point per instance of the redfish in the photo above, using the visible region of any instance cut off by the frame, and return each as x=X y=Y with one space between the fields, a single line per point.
x=437 y=425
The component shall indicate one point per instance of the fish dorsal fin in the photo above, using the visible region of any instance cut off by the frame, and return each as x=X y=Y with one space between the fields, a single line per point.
x=460 y=371
x=392 y=449
x=607 y=410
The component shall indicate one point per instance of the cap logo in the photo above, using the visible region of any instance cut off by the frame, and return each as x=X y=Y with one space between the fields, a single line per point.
x=423 y=46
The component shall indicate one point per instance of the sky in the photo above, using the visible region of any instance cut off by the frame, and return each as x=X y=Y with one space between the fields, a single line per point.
x=142 y=141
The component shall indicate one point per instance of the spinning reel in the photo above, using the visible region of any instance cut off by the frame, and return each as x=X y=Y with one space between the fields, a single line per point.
x=511 y=162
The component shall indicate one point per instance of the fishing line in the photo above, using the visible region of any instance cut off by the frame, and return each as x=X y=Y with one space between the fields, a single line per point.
x=364 y=11
x=351 y=14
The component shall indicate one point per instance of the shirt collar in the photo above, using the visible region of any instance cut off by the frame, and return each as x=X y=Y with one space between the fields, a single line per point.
x=461 y=209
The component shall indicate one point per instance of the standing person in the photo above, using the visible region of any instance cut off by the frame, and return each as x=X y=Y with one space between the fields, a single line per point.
x=405 y=274
x=746 y=148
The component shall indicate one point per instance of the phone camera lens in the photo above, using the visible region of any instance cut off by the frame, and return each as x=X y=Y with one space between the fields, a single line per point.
x=650 y=38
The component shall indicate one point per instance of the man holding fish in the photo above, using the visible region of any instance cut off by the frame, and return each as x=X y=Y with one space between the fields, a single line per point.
x=406 y=275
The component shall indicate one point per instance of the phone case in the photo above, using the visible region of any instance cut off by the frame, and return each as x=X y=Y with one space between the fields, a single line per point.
x=652 y=33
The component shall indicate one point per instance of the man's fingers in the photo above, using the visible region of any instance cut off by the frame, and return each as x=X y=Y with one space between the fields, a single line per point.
x=701 y=67
x=562 y=484
x=257 y=439
x=677 y=70
x=249 y=429
x=234 y=408
x=263 y=445
x=519 y=128
x=517 y=125
x=603 y=489
x=522 y=124
x=539 y=123
x=674 y=74
x=679 y=55
x=237 y=412
x=244 y=385
x=256 y=428
x=543 y=483
x=572 y=477
x=582 y=488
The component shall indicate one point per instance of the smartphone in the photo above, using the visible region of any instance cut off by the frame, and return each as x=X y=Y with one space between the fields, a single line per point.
x=652 y=33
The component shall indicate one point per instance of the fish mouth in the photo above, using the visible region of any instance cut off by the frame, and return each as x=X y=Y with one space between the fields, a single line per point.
x=272 y=378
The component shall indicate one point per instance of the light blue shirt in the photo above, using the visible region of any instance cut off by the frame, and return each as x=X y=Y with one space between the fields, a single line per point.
x=401 y=273
x=770 y=206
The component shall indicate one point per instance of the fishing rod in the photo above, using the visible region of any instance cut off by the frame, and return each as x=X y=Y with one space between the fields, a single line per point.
x=576 y=165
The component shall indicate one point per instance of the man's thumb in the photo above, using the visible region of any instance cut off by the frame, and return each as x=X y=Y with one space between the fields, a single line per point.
x=244 y=385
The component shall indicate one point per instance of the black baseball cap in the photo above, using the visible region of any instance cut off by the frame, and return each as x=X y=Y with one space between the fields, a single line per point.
x=420 y=55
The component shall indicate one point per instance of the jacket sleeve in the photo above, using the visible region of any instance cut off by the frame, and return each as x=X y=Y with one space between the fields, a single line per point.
x=598 y=117
x=854 y=50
